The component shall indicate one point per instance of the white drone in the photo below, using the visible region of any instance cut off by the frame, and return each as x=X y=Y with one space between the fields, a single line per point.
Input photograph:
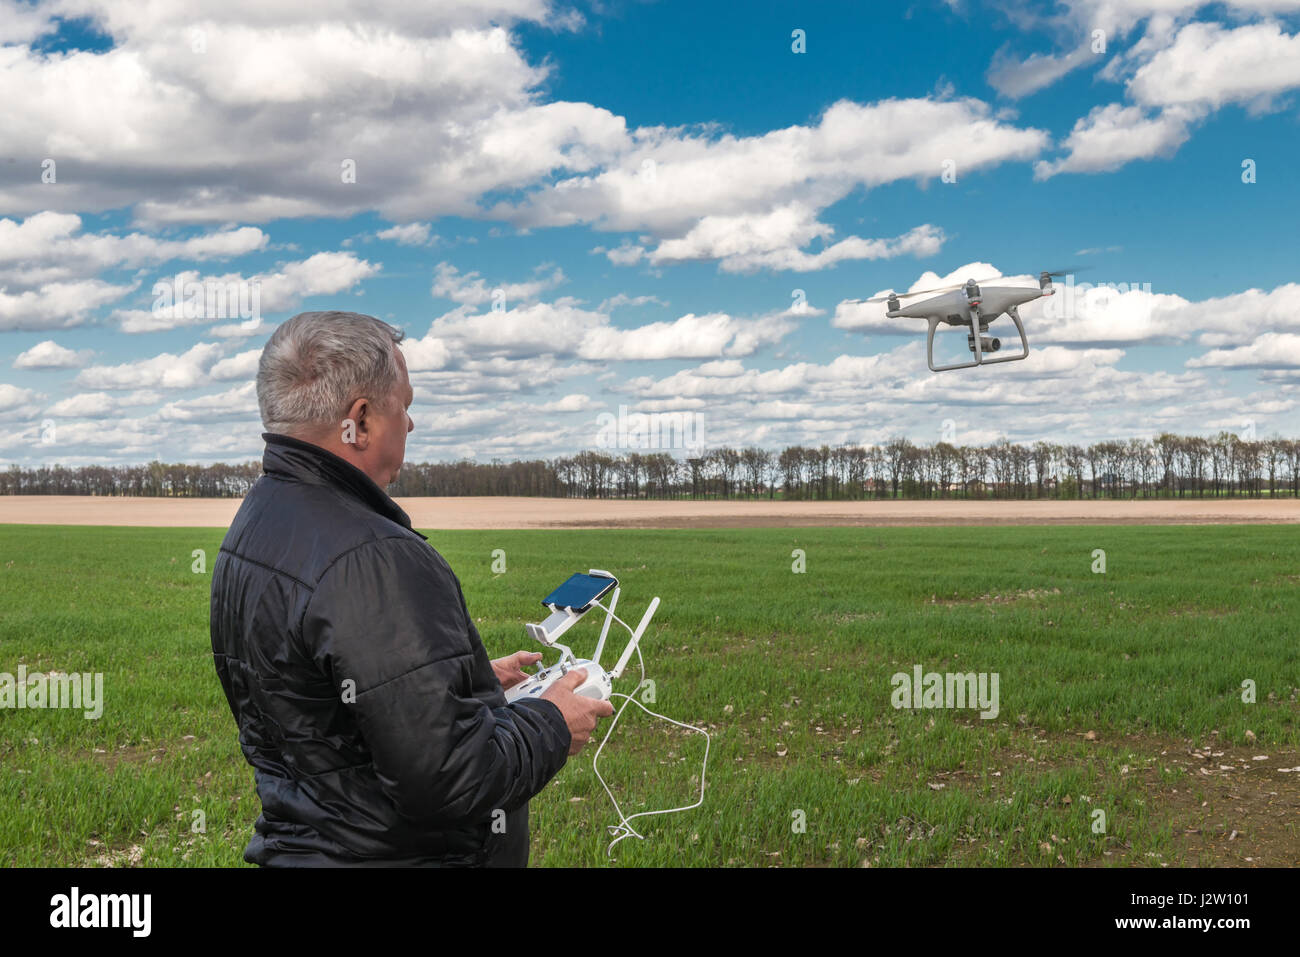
x=568 y=604
x=973 y=306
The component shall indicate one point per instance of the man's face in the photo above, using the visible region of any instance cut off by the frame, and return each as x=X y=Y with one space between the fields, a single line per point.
x=391 y=426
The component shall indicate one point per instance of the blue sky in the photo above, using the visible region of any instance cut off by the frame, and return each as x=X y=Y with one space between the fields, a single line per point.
x=648 y=188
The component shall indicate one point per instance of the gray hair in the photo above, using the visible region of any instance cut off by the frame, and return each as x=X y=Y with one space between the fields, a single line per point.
x=317 y=364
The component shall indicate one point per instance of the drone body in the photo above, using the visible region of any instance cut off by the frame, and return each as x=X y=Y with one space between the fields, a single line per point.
x=973 y=306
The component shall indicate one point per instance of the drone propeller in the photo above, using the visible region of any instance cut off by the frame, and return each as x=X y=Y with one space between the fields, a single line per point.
x=924 y=292
x=920 y=292
x=903 y=295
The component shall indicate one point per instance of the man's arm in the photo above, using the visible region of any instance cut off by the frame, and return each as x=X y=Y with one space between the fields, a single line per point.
x=388 y=618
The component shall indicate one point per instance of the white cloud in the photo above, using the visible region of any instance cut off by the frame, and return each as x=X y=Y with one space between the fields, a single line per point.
x=48 y=246
x=461 y=421
x=1057 y=394
x=22 y=22
x=125 y=439
x=452 y=117
x=407 y=234
x=757 y=197
x=1016 y=78
x=471 y=289
x=869 y=317
x=574 y=402
x=1112 y=135
x=1177 y=73
x=239 y=402
x=241 y=366
x=1137 y=314
x=50 y=355
x=13 y=397
x=439 y=122
x=242 y=330
x=521 y=331
x=1229 y=320
x=488 y=381
x=727 y=237
x=625 y=254
x=164 y=371
x=1272 y=350
x=130 y=20
x=723 y=368
x=774 y=240
x=622 y=299
x=1076 y=23
x=57 y=305
x=562 y=328
x=444 y=97
x=323 y=274
x=1211 y=65
x=669 y=180
x=102 y=405
x=921 y=241
x=687 y=337
x=426 y=354
x=1102 y=315
x=753 y=383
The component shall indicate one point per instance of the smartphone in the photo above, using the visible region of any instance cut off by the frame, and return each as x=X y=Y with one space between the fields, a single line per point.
x=580 y=591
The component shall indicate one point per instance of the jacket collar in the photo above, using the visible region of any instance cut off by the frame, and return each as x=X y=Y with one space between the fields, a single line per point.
x=302 y=461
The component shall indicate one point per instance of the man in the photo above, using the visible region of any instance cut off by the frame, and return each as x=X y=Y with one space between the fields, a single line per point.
x=376 y=726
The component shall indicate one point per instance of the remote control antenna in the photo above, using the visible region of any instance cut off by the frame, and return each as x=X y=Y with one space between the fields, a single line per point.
x=604 y=630
x=636 y=638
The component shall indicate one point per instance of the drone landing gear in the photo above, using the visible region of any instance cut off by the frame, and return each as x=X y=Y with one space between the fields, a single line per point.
x=977 y=342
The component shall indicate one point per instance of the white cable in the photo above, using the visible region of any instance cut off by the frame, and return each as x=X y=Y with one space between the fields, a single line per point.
x=623 y=825
x=630 y=629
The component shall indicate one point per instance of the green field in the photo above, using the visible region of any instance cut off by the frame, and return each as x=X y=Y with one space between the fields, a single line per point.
x=1120 y=692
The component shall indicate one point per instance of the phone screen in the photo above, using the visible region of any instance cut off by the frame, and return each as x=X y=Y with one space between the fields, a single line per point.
x=579 y=591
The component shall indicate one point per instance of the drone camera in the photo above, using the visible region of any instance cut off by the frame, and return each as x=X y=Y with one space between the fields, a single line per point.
x=987 y=344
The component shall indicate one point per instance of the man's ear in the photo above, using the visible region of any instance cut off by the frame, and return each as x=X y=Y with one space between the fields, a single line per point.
x=356 y=426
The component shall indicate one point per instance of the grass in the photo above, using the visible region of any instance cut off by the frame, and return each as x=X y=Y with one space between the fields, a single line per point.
x=1104 y=679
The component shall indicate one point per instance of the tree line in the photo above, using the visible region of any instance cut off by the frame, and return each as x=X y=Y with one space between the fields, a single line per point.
x=1171 y=466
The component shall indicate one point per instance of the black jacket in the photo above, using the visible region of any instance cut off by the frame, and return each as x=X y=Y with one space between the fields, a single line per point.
x=365 y=700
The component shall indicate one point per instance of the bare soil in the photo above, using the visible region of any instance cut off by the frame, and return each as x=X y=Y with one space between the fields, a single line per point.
x=516 y=512
x=1236 y=806
x=1228 y=805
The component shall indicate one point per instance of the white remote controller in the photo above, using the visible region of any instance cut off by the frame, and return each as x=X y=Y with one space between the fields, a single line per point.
x=596 y=685
x=568 y=604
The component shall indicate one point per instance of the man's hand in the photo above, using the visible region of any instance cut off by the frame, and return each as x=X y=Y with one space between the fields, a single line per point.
x=510 y=670
x=580 y=712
